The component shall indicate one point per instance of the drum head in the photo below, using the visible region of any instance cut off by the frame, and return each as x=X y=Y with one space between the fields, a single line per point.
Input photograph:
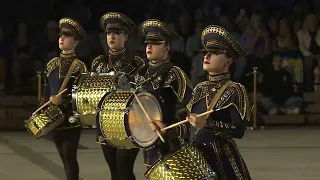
x=138 y=121
x=123 y=82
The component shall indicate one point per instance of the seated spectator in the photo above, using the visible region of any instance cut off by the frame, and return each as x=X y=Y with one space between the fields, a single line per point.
x=47 y=47
x=297 y=26
x=286 y=45
x=236 y=69
x=242 y=20
x=198 y=15
x=309 y=45
x=136 y=42
x=273 y=27
x=278 y=90
x=196 y=68
x=256 y=44
x=23 y=57
x=194 y=42
x=2 y=73
x=285 y=40
x=185 y=26
x=4 y=55
x=178 y=45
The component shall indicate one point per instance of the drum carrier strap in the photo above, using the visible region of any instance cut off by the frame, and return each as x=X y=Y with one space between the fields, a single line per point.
x=215 y=99
x=217 y=96
x=69 y=73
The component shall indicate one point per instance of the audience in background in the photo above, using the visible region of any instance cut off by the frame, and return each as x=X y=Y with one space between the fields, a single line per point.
x=309 y=45
x=4 y=55
x=23 y=57
x=256 y=43
x=291 y=33
x=278 y=90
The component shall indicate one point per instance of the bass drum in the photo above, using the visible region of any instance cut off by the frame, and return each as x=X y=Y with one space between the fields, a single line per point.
x=88 y=91
x=122 y=122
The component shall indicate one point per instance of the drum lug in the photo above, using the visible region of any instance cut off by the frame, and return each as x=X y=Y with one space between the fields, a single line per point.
x=131 y=138
x=75 y=114
x=126 y=110
x=101 y=139
x=72 y=119
x=161 y=99
x=166 y=167
x=98 y=110
x=140 y=89
x=113 y=88
x=74 y=88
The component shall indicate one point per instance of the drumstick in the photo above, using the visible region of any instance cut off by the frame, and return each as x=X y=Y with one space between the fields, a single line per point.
x=47 y=103
x=185 y=121
x=149 y=118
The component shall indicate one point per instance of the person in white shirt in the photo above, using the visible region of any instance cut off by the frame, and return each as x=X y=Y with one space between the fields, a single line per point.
x=309 y=45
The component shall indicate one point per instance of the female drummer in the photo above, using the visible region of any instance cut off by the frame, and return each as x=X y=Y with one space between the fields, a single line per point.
x=213 y=134
x=66 y=137
x=117 y=27
x=169 y=83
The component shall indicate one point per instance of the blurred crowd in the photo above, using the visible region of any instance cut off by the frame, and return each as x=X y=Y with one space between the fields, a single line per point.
x=281 y=38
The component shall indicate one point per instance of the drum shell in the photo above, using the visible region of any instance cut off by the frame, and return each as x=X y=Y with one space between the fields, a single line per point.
x=113 y=124
x=45 y=121
x=186 y=163
x=118 y=121
x=87 y=93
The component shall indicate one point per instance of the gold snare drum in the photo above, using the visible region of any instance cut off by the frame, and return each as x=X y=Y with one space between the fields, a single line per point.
x=186 y=163
x=88 y=91
x=45 y=121
x=123 y=123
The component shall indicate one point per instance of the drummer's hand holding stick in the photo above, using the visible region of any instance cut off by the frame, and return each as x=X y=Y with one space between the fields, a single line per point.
x=53 y=99
x=196 y=120
x=153 y=124
x=56 y=100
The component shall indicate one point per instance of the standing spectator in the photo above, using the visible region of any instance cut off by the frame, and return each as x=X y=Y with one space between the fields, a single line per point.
x=278 y=90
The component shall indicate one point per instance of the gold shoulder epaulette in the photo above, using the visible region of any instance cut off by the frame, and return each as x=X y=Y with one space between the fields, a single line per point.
x=141 y=62
x=197 y=94
x=81 y=67
x=52 y=64
x=242 y=103
x=96 y=61
x=177 y=74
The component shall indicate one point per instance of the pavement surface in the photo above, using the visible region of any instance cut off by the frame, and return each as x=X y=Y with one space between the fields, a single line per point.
x=270 y=154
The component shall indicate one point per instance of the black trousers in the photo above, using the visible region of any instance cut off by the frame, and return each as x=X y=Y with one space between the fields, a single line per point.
x=67 y=141
x=120 y=161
